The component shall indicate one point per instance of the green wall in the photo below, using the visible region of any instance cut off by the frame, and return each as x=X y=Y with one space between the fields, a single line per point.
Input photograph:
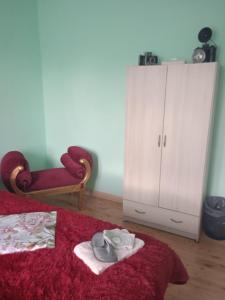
x=86 y=46
x=21 y=99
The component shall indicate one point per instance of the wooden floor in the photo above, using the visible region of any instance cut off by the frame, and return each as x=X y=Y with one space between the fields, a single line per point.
x=205 y=261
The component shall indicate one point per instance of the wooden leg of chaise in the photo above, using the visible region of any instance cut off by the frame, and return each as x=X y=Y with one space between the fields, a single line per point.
x=81 y=200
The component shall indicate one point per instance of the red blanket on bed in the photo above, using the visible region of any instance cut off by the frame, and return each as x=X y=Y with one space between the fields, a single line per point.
x=57 y=274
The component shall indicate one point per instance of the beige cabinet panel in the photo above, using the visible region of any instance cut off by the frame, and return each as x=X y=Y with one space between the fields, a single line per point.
x=144 y=123
x=188 y=111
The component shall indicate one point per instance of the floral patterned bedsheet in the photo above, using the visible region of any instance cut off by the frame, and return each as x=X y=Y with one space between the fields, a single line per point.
x=27 y=231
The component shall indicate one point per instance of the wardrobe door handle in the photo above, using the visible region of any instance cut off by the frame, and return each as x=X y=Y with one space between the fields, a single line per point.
x=159 y=140
x=140 y=212
x=164 y=141
x=176 y=221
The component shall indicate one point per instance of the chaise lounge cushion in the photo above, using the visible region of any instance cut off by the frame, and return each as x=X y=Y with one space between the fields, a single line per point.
x=52 y=178
x=75 y=169
x=24 y=180
x=77 y=153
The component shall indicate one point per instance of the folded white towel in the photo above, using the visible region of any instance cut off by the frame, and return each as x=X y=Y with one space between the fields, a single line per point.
x=85 y=253
x=119 y=238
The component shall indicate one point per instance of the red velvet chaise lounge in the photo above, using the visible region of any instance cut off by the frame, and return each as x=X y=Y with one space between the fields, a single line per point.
x=18 y=178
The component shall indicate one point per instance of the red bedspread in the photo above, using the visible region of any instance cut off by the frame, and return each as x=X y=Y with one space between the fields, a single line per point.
x=57 y=274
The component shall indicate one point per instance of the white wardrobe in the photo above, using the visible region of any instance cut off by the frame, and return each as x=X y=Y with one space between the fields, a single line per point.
x=169 y=112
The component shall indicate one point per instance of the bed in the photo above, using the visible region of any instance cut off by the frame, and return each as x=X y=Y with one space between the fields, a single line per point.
x=57 y=274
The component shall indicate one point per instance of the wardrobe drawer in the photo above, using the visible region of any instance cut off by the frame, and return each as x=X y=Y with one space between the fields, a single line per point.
x=136 y=210
x=179 y=221
x=160 y=217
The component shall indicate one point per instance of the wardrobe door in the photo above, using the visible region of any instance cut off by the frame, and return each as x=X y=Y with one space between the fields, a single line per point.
x=188 y=111
x=144 y=121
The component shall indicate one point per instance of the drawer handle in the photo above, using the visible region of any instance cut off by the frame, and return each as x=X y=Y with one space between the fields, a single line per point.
x=140 y=212
x=176 y=221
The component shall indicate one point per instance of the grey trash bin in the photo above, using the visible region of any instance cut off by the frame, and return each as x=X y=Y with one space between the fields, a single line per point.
x=214 y=217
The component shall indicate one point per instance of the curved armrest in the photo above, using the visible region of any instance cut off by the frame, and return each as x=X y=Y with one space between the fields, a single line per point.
x=82 y=169
x=88 y=170
x=11 y=161
x=20 y=179
x=78 y=153
x=12 y=180
x=78 y=162
x=76 y=169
